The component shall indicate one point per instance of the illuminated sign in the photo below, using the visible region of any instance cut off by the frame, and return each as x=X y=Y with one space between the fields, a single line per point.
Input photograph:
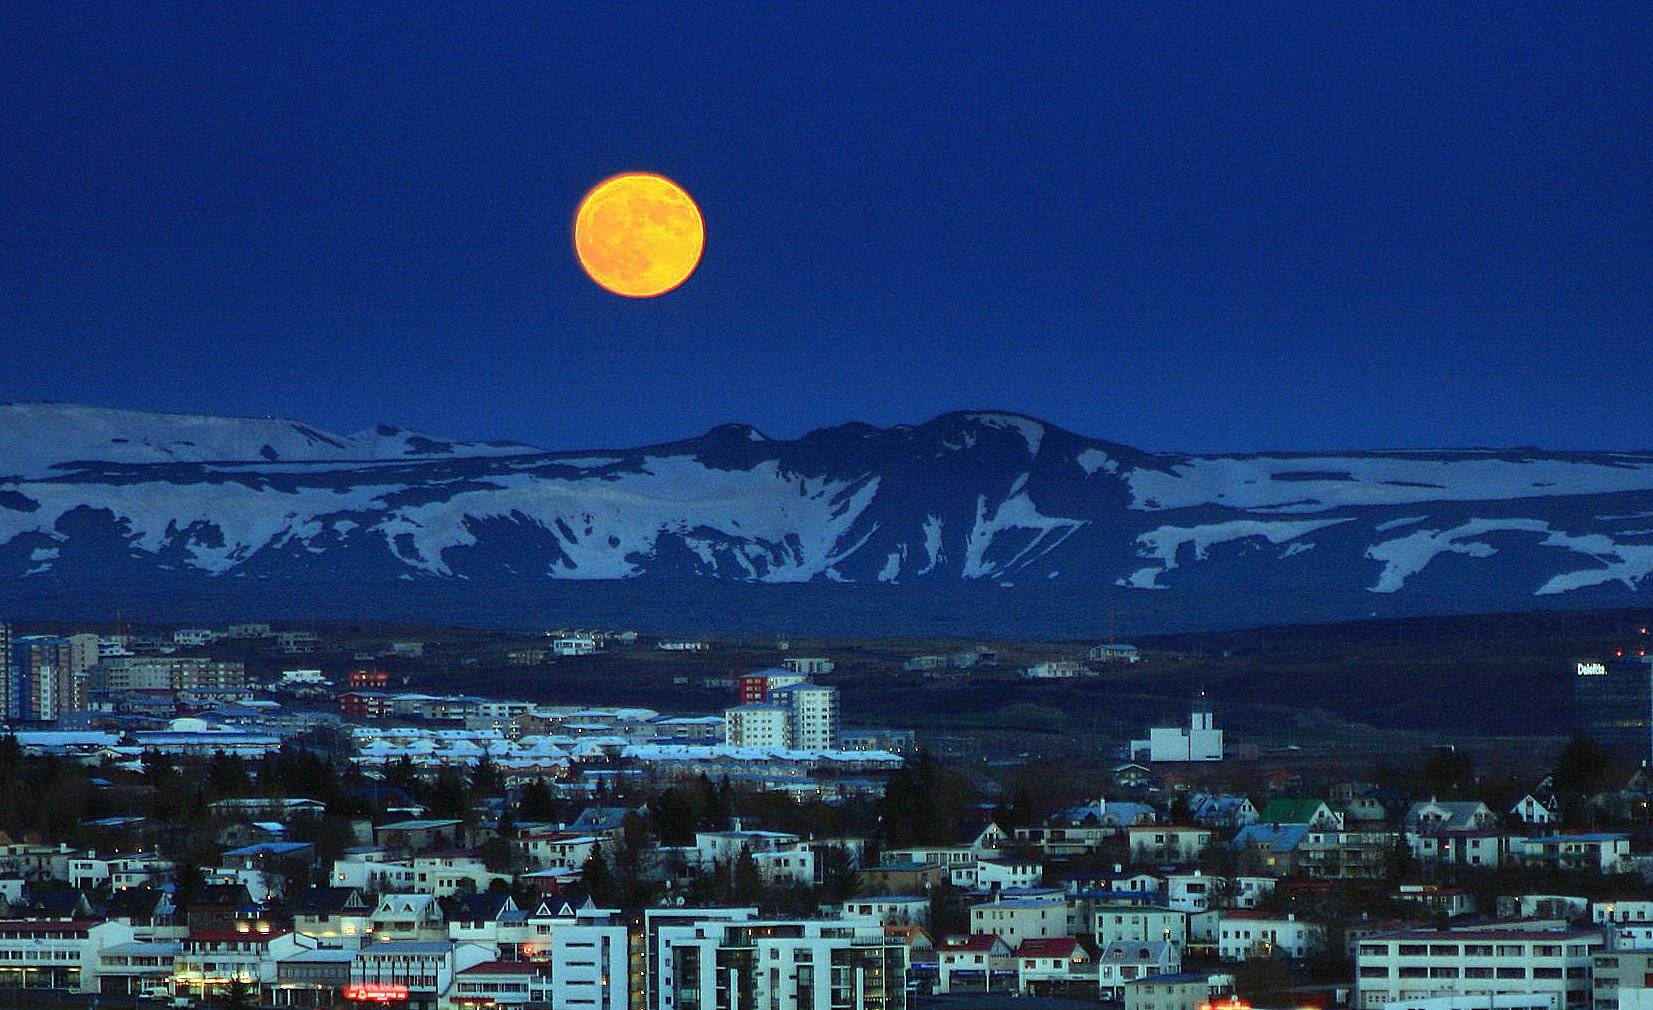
x=1592 y=670
x=376 y=992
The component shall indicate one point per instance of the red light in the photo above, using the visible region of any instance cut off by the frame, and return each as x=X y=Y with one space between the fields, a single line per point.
x=376 y=992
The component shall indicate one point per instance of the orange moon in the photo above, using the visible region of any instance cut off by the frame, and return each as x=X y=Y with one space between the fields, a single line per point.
x=638 y=234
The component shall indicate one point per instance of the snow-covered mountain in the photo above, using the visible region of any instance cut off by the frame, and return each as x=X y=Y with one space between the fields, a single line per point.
x=171 y=503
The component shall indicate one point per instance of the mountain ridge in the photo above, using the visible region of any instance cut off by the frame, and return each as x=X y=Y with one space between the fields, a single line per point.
x=993 y=499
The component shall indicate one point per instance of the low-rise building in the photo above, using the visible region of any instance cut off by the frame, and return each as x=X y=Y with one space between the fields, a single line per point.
x=1243 y=936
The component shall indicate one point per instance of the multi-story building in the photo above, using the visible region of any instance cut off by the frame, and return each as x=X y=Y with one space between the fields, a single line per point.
x=44 y=682
x=664 y=927
x=757 y=724
x=1188 y=990
x=415 y=974
x=1242 y=936
x=211 y=960
x=1478 y=964
x=812 y=713
x=62 y=954
x=1346 y=855
x=167 y=673
x=1016 y=919
x=1603 y=852
x=1615 y=970
x=1162 y=843
x=808 y=665
x=1117 y=922
x=722 y=965
x=366 y=677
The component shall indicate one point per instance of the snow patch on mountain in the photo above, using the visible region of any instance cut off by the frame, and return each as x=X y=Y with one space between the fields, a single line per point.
x=1014 y=513
x=1092 y=460
x=1406 y=556
x=1033 y=433
x=1290 y=484
x=1166 y=542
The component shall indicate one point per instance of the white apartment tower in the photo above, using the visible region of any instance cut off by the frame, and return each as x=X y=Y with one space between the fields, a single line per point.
x=814 y=714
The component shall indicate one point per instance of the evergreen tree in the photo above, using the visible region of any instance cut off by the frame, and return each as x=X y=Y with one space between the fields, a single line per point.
x=597 y=881
x=536 y=803
x=746 y=885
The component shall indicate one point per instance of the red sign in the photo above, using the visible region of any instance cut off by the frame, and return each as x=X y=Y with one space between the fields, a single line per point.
x=376 y=992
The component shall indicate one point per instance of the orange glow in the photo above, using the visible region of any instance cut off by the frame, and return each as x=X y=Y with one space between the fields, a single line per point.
x=376 y=992
x=639 y=234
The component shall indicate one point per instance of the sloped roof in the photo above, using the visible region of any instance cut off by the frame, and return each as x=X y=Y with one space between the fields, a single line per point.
x=1290 y=811
x=1277 y=838
x=1054 y=946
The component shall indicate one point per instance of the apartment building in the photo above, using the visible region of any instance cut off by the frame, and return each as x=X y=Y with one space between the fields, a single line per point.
x=1016 y=919
x=61 y=954
x=1115 y=923
x=724 y=965
x=1420 y=964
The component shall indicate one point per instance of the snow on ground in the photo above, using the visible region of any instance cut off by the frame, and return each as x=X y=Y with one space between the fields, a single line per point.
x=1015 y=513
x=1092 y=460
x=1032 y=431
x=34 y=437
x=1163 y=544
x=1256 y=482
x=1406 y=556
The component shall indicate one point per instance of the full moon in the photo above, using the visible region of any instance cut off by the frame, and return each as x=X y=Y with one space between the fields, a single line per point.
x=638 y=234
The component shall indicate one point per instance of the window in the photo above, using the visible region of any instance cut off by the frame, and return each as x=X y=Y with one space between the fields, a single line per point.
x=1546 y=973
x=1512 y=973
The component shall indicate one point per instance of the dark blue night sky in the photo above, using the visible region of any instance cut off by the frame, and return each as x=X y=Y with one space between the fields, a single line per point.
x=1303 y=226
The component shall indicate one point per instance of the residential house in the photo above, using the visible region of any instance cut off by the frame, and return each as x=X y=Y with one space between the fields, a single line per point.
x=1163 y=844
x=1243 y=936
x=1534 y=812
x=1118 y=964
x=1117 y=922
x=1018 y=919
x=1316 y=814
x=1604 y=852
x=1178 y=991
x=333 y=916
x=1222 y=811
x=1052 y=966
x=1430 y=816
x=890 y=909
x=408 y=917
x=976 y=963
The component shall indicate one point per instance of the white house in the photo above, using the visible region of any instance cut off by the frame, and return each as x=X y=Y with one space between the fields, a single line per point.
x=1532 y=811
x=890 y=909
x=1018 y=919
x=1124 y=923
x=1127 y=961
x=1052 y=961
x=574 y=645
x=1242 y=936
